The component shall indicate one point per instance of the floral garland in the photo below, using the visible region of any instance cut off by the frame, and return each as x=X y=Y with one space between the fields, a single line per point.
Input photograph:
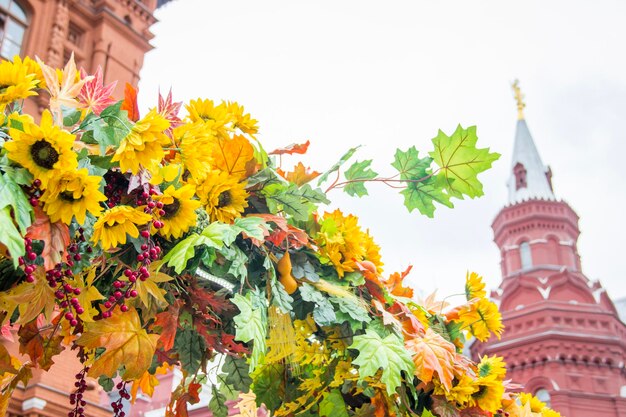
x=144 y=243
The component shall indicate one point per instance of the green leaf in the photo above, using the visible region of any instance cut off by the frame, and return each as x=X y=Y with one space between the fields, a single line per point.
x=238 y=259
x=268 y=386
x=351 y=307
x=359 y=172
x=324 y=313
x=280 y=298
x=410 y=165
x=92 y=169
x=10 y=236
x=16 y=124
x=338 y=165
x=190 y=347
x=252 y=226
x=106 y=383
x=217 y=404
x=251 y=325
x=299 y=202
x=70 y=116
x=178 y=256
x=333 y=405
x=387 y=354
x=219 y=234
x=11 y=194
x=264 y=178
x=460 y=161
x=422 y=195
x=237 y=373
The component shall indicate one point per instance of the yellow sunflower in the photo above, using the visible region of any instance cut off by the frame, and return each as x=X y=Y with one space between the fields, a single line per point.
x=548 y=412
x=143 y=146
x=114 y=224
x=17 y=81
x=481 y=317
x=460 y=393
x=242 y=121
x=536 y=405
x=179 y=211
x=341 y=241
x=492 y=366
x=215 y=117
x=32 y=67
x=488 y=394
x=223 y=196
x=196 y=142
x=372 y=251
x=41 y=149
x=474 y=286
x=72 y=194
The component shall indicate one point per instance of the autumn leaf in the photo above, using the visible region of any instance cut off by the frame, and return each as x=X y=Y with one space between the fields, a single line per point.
x=300 y=174
x=294 y=148
x=443 y=407
x=168 y=322
x=148 y=382
x=30 y=298
x=9 y=380
x=432 y=354
x=40 y=346
x=126 y=343
x=89 y=294
x=182 y=395
x=130 y=103
x=94 y=95
x=394 y=284
x=56 y=238
x=169 y=109
x=63 y=94
x=233 y=155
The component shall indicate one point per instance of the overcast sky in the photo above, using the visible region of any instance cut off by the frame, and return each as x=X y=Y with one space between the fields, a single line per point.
x=388 y=74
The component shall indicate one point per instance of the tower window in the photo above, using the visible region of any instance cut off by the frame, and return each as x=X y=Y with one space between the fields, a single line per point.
x=543 y=395
x=520 y=176
x=12 y=28
x=525 y=255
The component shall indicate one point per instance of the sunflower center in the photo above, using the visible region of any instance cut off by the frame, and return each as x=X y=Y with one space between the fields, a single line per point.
x=171 y=209
x=482 y=390
x=68 y=196
x=224 y=199
x=44 y=154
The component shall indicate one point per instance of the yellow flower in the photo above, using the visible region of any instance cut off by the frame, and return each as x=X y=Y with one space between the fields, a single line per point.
x=461 y=392
x=216 y=117
x=492 y=366
x=548 y=412
x=372 y=251
x=72 y=194
x=223 y=196
x=180 y=211
x=196 y=142
x=143 y=145
x=17 y=81
x=242 y=121
x=114 y=224
x=536 y=405
x=41 y=149
x=474 y=286
x=32 y=67
x=481 y=317
x=488 y=394
x=341 y=241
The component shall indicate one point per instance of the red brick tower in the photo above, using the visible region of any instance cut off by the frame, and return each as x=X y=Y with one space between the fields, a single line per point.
x=563 y=339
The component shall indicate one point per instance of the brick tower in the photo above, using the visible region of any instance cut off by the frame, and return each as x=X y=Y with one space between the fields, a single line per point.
x=563 y=339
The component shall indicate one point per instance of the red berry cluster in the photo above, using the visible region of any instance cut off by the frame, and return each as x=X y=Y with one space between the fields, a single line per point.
x=115 y=188
x=117 y=406
x=28 y=260
x=502 y=413
x=65 y=293
x=35 y=193
x=76 y=398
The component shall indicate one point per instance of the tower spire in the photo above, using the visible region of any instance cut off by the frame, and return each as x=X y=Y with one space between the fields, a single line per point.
x=519 y=97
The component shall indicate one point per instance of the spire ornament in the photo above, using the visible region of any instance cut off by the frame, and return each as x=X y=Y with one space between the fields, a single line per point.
x=519 y=97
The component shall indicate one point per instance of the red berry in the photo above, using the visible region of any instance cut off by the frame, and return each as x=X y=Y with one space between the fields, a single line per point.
x=79 y=310
x=74 y=323
x=29 y=269
x=132 y=278
x=124 y=308
x=34 y=201
x=37 y=183
x=30 y=279
x=69 y=315
x=117 y=284
x=106 y=314
x=140 y=258
x=161 y=212
x=107 y=304
x=31 y=256
x=151 y=204
x=117 y=295
x=144 y=271
x=159 y=204
x=63 y=304
x=77 y=257
x=144 y=247
x=76 y=291
x=145 y=234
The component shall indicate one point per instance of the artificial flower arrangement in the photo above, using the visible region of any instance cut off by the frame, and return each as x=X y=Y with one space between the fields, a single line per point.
x=147 y=243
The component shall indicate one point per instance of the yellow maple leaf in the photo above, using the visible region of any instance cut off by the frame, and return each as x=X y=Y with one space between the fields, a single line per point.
x=88 y=294
x=300 y=174
x=432 y=354
x=30 y=298
x=126 y=343
x=235 y=156
x=65 y=92
x=246 y=405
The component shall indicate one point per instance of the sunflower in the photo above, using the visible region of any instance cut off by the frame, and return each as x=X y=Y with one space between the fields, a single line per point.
x=548 y=412
x=180 y=211
x=341 y=241
x=474 y=286
x=372 y=251
x=143 y=145
x=492 y=366
x=114 y=224
x=72 y=194
x=215 y=117
x=242 y=121
x=481 y=317
x=41 y=149
x=196 y=142
x=32 y=67
x=460 y=393
x=488 y=394
x=223 y=196
x=17 y=81
x=536 y=405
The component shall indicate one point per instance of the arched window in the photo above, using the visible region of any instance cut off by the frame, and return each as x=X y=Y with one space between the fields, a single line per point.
x=12 y=28
x=525 y=255
x=520 y=176
x=543 y=395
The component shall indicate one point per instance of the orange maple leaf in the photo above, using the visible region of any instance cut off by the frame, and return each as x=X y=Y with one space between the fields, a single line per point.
x=147 y=382
x=235 y=156
x=130 y=103
x=168 y=322
x=299 y=148
x=56 y=238
x=30 y=298
x=394 y=284
x=39 y=346
x=432 y=354
x=126 y=343
x=300 y=174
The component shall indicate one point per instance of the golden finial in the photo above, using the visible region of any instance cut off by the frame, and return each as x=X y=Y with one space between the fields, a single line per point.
x=519 y=97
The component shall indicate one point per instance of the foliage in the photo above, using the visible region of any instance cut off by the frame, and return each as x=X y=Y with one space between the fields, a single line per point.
x=143 y=243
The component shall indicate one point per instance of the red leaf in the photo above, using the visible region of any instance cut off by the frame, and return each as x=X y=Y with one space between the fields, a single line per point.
x=39 y=347
x=394 y=284
x=130 y=102
x=294 y=148
x=168 y=321
x=94 y=95
x=168 y=109
x=56 y=238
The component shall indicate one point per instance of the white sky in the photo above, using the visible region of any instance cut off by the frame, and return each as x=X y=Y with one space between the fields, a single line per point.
x=388 y=74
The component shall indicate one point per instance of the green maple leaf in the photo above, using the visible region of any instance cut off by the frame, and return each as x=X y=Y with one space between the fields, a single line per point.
x=190 y=347
x=217 y=404
x=410 y=165
x=237 y=373
x=333 y=405
x=460 y=161
x=337 y=165
x=387 y=354
x=422 y=195
x=299 y=202
x=251 y=324
x=359 y=172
